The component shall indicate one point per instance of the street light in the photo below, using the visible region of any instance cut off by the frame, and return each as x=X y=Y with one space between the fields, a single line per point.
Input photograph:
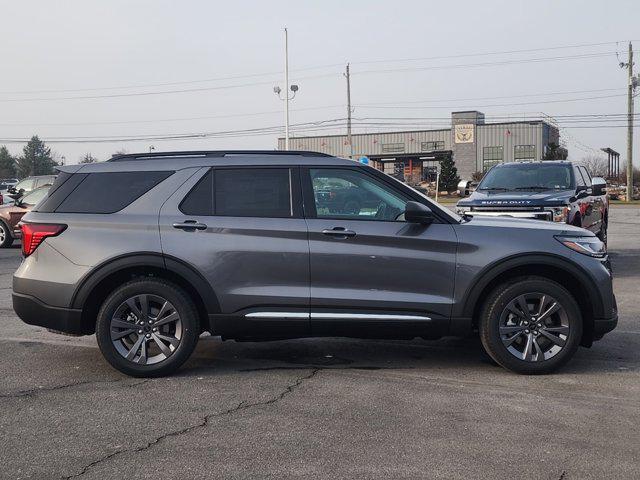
x=294 y=88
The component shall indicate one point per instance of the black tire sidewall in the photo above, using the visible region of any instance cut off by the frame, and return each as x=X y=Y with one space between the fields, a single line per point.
x=183 y=304
x=8 y=237
x=497 y=301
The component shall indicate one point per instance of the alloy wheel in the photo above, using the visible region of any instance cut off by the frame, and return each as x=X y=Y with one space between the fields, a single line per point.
x=534 y=327
x=146 y=329
x=3 y=234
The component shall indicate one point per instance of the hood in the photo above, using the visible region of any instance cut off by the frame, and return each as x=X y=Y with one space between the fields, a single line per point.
x=525 y=223
x=517 y=198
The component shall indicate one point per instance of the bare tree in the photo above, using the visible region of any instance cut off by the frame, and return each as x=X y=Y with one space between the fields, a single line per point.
x=88 y=158
x=596 y=166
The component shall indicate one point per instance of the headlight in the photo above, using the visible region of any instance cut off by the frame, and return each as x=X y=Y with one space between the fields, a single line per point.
x=560 y=214
x=591 y=246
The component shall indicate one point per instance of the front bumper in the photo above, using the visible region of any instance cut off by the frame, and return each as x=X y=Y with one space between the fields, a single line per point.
x=35 y=312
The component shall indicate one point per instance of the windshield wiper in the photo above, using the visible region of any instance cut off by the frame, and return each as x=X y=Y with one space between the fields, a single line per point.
x=534 y=187
x=497 y=189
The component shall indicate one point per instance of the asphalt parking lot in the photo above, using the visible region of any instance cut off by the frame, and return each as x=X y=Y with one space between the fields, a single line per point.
x=324 y=408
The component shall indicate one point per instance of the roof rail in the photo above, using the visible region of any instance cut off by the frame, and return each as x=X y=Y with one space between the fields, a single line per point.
x=210 y=153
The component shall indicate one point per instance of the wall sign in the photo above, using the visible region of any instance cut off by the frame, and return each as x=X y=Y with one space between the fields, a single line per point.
x=463 y=133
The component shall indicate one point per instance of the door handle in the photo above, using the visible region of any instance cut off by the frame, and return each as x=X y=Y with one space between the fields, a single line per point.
x=339 y=232
x=190 y=225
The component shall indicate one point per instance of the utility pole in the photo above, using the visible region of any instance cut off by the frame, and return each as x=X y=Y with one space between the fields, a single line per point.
x=630 y=127
x=286 y=86
x=348 y=77
x=631 y=86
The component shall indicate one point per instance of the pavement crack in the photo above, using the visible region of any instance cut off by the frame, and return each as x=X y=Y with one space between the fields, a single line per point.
x=243 y=405
x=32 y=392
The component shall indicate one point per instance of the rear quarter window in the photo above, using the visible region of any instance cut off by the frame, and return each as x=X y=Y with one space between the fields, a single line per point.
x=109 y=192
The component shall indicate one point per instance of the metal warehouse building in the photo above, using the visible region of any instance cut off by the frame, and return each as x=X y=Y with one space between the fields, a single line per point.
x=473 y=144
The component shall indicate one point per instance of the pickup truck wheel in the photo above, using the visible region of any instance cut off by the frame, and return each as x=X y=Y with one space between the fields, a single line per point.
x=531 y=325
x=6 y=238
x=147 y=327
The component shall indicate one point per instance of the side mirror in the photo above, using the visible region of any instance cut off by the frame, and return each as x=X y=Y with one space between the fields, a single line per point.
x=598 y=186
x=415 y=212
x=463 y=188
x=11 y=189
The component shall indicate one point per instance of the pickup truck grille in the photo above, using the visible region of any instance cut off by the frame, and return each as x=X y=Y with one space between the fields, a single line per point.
x=516 y=212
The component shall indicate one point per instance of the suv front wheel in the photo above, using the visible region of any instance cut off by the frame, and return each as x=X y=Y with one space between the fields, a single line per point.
x=148 y=327
x=531 y=325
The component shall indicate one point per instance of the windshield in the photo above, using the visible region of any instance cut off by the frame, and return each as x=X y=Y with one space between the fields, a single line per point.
x=34 y=197
x=528 y=176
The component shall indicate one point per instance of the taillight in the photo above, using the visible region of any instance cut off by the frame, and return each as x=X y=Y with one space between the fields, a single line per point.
x=34 y=233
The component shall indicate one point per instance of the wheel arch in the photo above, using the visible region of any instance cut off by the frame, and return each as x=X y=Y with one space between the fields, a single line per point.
x=101 y=280
x=556 y=268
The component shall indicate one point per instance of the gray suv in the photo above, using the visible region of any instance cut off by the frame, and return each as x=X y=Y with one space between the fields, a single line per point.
x=151 y=250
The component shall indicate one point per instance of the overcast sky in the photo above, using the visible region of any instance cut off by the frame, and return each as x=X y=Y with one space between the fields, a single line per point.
x=91 y=48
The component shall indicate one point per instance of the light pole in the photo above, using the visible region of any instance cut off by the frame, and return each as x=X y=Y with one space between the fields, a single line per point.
x=294 y=88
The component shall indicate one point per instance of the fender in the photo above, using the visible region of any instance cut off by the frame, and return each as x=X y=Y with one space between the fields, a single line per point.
x=493 y=270
x=146 y=259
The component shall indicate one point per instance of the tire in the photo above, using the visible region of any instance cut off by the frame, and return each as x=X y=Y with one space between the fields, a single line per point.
x=537 y=348
x=162 y=342
x=6 y=237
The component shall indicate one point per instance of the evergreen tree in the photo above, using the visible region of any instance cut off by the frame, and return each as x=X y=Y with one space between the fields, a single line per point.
x=7 y=164
x=555 y=152
x=449 y=178
x=36 y=159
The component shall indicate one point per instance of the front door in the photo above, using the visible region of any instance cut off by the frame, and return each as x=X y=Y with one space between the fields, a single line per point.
x=372 y=273
x=243 y=230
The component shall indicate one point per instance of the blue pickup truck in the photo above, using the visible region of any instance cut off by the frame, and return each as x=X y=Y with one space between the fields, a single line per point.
x=558 y=191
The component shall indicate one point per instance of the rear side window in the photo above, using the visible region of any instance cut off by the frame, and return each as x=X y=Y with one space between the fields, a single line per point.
x=199 y=201
x=109 y=192
x=255 y=192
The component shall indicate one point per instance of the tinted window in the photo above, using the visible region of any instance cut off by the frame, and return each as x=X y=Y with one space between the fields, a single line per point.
x=580 y=181
x=109 y=192
x=253 y=192
x=345 y=193
x=528 y=176
x=199 y=201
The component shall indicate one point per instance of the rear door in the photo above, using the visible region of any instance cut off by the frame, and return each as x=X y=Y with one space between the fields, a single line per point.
x=372 y=273
x=242 y=229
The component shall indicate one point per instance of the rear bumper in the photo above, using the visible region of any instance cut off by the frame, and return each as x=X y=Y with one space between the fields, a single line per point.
x=34 y=312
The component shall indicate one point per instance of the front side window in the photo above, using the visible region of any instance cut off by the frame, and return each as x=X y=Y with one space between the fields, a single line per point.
x=253 y=192
x=349 y=194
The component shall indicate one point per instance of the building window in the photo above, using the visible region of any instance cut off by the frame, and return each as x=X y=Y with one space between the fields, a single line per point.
x=392 y=147
x=524 y=152
x=431 y=146
x=491 y=156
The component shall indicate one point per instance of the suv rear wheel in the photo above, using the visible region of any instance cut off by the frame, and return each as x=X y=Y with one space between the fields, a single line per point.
x=147 y=327
x=532 y=325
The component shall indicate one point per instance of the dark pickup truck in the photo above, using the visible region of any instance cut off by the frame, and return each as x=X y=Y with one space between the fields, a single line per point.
x=558 y=191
